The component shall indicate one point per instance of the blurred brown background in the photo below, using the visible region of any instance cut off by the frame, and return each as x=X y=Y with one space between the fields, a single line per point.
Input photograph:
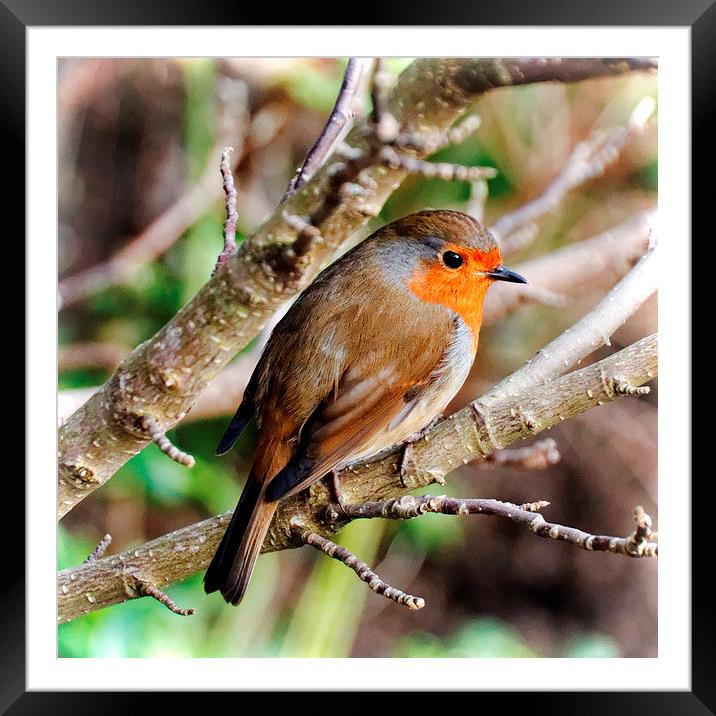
x=135 y=136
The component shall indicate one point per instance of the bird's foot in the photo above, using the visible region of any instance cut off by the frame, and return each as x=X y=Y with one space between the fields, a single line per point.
x=414 y=437
x=335 y=487
x=406 y=461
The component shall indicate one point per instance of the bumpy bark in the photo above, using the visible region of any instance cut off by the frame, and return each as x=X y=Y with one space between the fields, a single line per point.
x=470 y=434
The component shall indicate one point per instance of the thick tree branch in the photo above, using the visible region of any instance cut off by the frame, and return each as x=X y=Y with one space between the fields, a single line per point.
x=470 y=434
x=479 y=430
x=163 y=377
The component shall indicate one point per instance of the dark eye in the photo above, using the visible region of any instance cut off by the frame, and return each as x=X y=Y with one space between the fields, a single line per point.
x=452 y=260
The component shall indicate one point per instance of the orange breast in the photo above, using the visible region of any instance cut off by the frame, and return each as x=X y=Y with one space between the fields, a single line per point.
x=462 y=290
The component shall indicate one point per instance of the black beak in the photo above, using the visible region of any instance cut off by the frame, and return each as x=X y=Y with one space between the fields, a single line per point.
x=504 y=274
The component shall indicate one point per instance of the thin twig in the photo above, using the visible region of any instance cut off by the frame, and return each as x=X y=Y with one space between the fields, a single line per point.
x=588 y=160
x=534 y=457
x=458 y=134
x=478 y=198
x=232 y=215
x=145 y=588
x=586 y=335
x=535 y=506
x=385 y=126
x=339 y=120
x=623 y=387
x=385 y=130
x=99 y=550
x=431 y=170
x=159 y=437
x=410 y=506
x=433 y=143
x=363 y=571
x=643 y=532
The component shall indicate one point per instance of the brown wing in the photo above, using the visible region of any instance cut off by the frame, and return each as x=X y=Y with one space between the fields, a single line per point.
x=351 y=419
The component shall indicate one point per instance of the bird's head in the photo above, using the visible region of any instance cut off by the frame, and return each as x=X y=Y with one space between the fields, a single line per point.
x=447 y=257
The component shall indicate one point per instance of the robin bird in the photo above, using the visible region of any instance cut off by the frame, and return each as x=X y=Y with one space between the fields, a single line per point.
x=369 y=354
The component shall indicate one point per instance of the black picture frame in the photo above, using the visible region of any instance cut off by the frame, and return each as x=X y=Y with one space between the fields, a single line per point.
x=699 y=15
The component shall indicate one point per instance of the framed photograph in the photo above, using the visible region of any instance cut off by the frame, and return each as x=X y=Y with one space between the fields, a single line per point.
x=316 y=297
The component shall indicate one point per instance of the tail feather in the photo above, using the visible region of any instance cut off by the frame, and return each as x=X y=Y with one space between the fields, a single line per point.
x=292 y=475
x=231 y=568
x=236 y=427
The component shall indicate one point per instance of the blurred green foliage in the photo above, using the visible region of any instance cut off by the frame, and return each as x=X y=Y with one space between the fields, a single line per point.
x=315 y=90
x=486 y=637
x=592 y=646
x=649 y=176
x=478 y=638
x=323 y=625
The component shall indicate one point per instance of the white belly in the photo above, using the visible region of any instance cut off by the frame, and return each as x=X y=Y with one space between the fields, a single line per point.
x=451 y=374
